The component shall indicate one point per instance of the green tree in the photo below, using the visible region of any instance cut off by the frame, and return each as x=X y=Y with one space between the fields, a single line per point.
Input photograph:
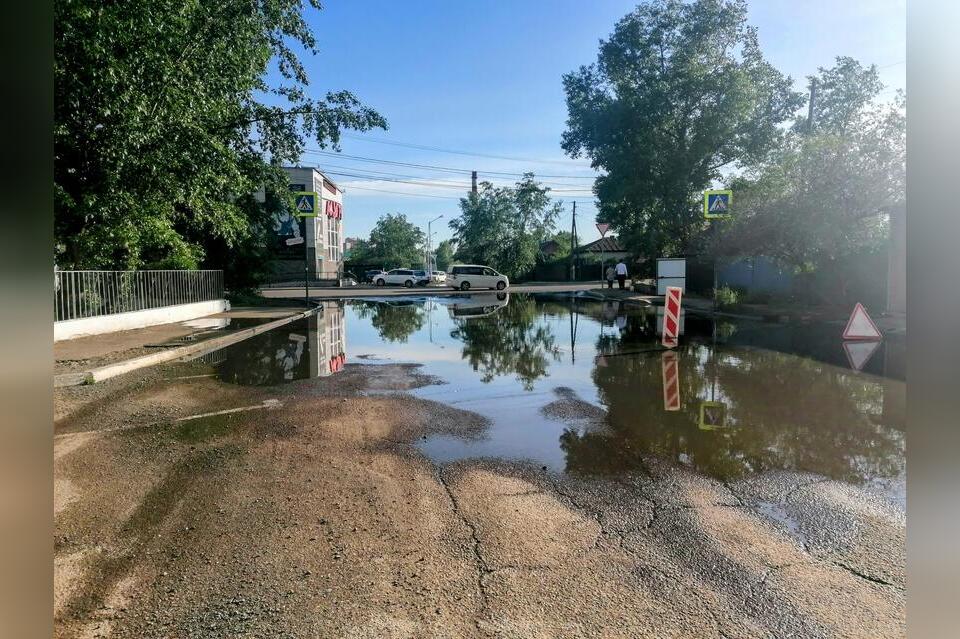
x=679 y=91
x=166 y=119
x=564 y=240
x=824 y=194
x=443 y=255
x=503 y=227
x=395 y=242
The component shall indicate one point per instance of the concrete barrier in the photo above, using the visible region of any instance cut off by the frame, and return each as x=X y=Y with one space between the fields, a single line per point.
x=119 y=368
x=97 y=325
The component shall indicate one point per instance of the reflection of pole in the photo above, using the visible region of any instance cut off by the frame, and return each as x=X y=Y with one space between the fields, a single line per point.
x=573 y=332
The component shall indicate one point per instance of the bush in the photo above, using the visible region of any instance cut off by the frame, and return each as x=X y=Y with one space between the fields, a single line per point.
x=727 y=297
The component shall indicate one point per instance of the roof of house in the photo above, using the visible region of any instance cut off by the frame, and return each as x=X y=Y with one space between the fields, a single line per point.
x=603 y=245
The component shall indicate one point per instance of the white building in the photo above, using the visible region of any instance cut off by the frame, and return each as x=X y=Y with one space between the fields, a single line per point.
x=323 y=234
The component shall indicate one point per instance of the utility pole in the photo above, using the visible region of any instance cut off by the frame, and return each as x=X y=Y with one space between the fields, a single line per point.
x=811 y=108
x=429 y=261
x=473 y=181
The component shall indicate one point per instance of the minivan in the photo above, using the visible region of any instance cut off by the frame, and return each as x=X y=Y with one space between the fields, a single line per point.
x=468 y=276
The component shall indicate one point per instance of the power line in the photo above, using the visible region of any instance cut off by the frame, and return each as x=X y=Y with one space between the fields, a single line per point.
x=581 y=201
x=424 y=147
x=351 y=171
x=434 y=184
x=360 y=158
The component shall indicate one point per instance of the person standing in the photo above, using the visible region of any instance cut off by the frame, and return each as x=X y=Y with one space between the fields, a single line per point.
x=611 y=275
x=621 y=273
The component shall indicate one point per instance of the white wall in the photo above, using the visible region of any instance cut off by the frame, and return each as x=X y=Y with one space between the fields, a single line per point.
x=69 y=329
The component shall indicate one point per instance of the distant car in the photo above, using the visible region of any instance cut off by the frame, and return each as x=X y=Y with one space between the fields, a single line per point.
x=422 y=278
x=468 y=276
x=371 y=275
x=400 y=276
x=439 y=277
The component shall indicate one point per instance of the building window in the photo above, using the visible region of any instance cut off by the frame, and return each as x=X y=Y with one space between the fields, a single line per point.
x=334 y=247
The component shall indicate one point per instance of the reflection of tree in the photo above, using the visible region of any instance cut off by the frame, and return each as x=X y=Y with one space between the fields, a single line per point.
x=783 y=412
x=395 y=321
x=508 y=341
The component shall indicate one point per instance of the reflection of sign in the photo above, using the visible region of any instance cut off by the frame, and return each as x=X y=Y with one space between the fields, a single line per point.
x=716 y=204
x=671 y=316
x=305 y=202
x=336 y=363
x=670 y=368
x=860 y=352
x=293 y=241
x=602 y=227
x=713 y=415
x=860 y=326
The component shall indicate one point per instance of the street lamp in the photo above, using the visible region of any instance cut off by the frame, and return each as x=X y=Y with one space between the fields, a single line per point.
x=430 y=247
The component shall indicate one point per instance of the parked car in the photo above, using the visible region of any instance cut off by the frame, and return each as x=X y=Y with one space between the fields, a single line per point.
x=371 y=275
x=468 y=276
x=439 y=277
x=405 y=276
x=423 y=278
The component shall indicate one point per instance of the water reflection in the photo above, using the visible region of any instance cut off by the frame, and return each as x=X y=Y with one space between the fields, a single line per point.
x=735 y=398
x=740 y=411
x=307 y=348
x=506 y=340
x=395 y=321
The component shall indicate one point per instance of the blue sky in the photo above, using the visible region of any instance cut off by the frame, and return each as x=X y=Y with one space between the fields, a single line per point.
x=485 y=78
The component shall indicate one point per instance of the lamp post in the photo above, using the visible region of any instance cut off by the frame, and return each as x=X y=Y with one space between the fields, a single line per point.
x=430 y=247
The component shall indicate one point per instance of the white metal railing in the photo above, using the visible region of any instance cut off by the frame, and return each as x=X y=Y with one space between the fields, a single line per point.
x=80 y=294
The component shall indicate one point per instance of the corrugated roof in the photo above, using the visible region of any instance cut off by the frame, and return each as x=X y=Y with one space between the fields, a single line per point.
x=604 y=244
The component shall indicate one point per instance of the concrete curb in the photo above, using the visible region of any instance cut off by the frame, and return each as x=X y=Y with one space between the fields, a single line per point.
x=119 y=368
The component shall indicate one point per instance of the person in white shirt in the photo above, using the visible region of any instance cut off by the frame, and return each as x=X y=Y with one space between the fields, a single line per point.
x=621 y=273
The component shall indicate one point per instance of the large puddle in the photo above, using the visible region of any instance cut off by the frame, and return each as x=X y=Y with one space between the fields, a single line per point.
x=582 y=386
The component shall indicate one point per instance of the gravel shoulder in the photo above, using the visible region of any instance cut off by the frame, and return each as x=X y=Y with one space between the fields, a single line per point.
x=319 y=518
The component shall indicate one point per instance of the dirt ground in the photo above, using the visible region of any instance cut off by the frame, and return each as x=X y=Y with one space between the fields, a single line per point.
x=320 y=518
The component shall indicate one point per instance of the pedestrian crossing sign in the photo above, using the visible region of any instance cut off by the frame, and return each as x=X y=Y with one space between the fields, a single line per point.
x=305 y=203
x=716 y=204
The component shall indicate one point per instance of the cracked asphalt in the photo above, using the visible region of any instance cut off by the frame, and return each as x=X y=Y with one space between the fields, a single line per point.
x=321 y=519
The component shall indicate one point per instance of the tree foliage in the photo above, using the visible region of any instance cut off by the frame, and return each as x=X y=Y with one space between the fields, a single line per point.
x=679 y=91
x=394 y=242
x=443 y=254
x=166 y=120
x=825 y=193
x=502 y=227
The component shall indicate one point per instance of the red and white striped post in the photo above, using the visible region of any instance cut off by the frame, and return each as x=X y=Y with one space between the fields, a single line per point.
x=671 y=380
x=671 y=316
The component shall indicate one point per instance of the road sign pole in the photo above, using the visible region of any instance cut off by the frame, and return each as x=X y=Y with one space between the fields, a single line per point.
x=306 y=270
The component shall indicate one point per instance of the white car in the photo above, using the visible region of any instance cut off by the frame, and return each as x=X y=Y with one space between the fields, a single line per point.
x=439 y=277
x=405 y=276
x=468 y=276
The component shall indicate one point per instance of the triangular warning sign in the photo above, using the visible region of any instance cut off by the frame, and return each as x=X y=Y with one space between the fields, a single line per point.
x=602 y=227
x=860 y=326
x=719 y=204
x=304 y=204
x=859 y=353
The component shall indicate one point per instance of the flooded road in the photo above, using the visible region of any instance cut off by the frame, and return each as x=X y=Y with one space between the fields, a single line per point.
x=577 y=385
x=489 y=465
